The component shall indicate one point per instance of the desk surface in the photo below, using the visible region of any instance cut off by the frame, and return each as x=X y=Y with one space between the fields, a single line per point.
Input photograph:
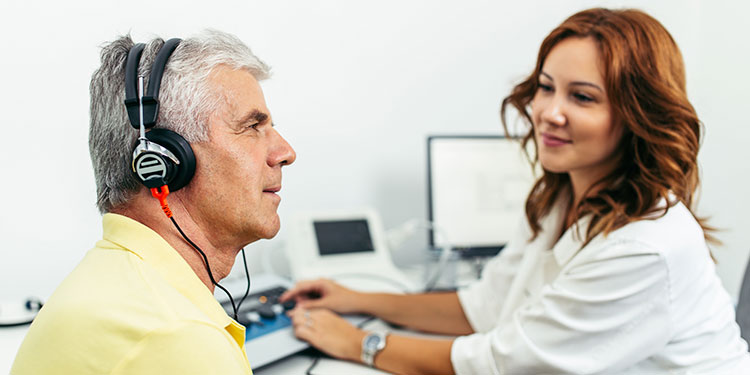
x=10 y=341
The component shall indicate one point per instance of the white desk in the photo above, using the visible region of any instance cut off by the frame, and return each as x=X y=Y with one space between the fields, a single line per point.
x=10 y=341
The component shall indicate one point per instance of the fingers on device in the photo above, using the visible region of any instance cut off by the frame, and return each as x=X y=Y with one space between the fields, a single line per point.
x=269 y=335
x=347 y=246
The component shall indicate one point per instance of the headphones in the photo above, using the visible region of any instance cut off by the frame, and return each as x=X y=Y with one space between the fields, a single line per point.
x=160 y=157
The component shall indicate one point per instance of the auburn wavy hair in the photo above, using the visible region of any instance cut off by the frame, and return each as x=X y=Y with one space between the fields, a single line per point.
x=645 y=82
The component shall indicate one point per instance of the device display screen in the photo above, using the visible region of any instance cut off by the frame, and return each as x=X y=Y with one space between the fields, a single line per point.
x=343 y=237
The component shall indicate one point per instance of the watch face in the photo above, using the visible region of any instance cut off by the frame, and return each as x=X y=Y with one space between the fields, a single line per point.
x=372 y=341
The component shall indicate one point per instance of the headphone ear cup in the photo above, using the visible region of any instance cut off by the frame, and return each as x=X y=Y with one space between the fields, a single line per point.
x=182 y=150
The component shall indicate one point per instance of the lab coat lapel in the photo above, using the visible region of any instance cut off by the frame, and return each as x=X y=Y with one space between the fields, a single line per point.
x=571 y=241
x=529 y=266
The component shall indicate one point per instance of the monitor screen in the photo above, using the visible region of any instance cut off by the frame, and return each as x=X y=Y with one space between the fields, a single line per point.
x=343 y=237
x=477 y=187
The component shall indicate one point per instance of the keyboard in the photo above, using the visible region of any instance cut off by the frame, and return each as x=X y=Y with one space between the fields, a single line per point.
x=268 y=331
x=262 y=313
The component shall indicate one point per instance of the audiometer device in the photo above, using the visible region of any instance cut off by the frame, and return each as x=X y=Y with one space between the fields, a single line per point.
x=347 y=246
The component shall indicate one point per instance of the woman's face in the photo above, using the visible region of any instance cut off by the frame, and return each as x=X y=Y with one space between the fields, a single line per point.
x=572 y=117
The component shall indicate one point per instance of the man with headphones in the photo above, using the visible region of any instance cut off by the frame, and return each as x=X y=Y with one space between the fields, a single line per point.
x=188 y=169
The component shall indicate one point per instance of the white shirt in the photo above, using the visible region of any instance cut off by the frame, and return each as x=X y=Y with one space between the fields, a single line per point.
x=643 y=300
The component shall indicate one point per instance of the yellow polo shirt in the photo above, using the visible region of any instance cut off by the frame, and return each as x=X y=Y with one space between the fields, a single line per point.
x=132 y=306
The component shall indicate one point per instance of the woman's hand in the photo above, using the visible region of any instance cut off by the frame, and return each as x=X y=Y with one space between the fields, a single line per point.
x=328 y=332
x=323 y=293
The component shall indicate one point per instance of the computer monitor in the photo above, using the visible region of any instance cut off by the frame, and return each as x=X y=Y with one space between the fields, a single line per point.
x=477 y=187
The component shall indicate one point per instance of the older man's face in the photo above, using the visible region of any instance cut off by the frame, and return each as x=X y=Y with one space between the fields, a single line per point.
x=234 y=194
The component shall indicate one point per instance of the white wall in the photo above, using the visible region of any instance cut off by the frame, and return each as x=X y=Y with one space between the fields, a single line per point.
x=357 y=87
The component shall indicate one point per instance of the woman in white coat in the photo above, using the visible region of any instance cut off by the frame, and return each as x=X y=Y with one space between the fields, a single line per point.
x=609 y=272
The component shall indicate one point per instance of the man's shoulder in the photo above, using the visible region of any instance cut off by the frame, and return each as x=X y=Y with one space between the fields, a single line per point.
x=117 y=286
x=109 y=289
x=110 y=302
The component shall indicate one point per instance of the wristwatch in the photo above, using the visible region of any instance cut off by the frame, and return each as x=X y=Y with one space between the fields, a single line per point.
x=372 y=344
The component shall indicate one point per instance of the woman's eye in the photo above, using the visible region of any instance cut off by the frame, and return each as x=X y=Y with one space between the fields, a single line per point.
x=583 y=98
x=545 y=88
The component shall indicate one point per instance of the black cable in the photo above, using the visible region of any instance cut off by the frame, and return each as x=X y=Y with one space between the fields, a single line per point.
x=17 y=324
x=208 y=268
x=312 y=365
x=247 y=276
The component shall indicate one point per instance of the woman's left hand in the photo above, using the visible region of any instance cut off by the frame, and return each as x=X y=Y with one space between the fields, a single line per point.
x=328 y=332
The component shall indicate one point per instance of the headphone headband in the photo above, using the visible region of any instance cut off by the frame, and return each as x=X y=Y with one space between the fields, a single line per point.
x=151 y=99
x=131 y=83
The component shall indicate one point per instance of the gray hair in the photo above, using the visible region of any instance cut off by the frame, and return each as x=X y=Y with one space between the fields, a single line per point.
x=187 y=100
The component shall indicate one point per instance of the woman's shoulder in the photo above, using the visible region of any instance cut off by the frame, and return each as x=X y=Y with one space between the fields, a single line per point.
x=673 y=234
x=667 y=226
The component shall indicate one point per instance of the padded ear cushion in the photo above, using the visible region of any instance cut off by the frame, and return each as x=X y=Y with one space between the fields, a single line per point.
x=180 y=148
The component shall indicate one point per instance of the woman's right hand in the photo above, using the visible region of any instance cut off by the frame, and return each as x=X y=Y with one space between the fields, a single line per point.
x=323 y=293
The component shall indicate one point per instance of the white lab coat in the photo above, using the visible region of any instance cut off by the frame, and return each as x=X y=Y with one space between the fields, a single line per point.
x=643 y=300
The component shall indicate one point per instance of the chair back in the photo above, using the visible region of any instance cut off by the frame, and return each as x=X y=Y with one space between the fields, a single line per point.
x=743 y=306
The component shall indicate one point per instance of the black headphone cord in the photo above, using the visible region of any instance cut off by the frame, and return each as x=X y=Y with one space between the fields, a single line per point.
x=247 y=277
x=162 y=197
x=208 y=268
